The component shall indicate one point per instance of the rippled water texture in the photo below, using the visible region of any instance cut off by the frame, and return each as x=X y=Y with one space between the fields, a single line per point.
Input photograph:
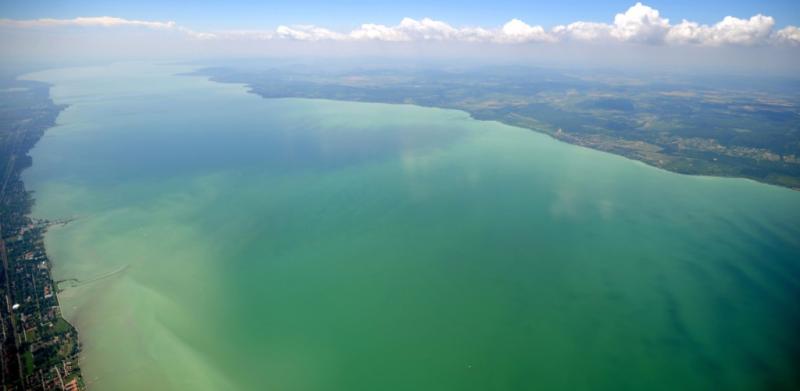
x=225 y=241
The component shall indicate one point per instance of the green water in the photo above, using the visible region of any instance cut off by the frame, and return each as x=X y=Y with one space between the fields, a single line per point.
x=225 y=241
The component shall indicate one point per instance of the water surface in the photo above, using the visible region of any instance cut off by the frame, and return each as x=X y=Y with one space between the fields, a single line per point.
x=225 y=241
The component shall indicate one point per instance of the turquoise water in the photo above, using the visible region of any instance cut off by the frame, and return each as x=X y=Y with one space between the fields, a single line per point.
x=225 y=241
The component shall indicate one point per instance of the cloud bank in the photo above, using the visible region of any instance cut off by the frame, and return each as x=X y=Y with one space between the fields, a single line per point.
x=103 y=21
x=640 y=24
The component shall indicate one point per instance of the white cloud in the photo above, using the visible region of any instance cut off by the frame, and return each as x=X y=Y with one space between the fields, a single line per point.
x=730 y=31
x=583 y=31
x=427 y=29
x=789 y=35
x=104 y=21
x=420 y=30
x=379 y=32
x=307 y=33
x=518 y=31
x=638 y=24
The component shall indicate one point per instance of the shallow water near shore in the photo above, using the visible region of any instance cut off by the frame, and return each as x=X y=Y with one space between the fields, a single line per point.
x=225 y=241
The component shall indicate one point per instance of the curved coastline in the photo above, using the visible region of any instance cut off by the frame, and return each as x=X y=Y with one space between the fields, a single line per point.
x=619 y=147
x=169 y=296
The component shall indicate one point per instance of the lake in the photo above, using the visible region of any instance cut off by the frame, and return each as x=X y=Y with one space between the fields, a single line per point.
x=226 y=241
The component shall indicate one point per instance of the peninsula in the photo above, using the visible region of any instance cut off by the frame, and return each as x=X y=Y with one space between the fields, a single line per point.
x=700 y=125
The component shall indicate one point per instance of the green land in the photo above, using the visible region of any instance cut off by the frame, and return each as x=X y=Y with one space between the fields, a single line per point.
x=39 y=348
x=723 y=126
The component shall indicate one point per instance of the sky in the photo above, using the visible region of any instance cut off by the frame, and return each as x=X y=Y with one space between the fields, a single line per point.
x=759 y=36
x=252 y=14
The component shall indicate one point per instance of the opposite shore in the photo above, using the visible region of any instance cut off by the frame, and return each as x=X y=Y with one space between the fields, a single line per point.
x=706 y=131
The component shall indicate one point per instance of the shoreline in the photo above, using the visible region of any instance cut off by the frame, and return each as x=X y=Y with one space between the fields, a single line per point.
x=174 y=340
x=500 y=121
x=45 y=345
x=652 y=154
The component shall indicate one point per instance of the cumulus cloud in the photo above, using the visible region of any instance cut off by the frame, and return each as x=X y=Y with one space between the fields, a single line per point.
x=379 y=32
x=518 y=31
x=644 y=24
x=790 y=35
x=583 y=31
x=409 y=30
x=419 y=30
x=730 y=30
x=638 y=24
